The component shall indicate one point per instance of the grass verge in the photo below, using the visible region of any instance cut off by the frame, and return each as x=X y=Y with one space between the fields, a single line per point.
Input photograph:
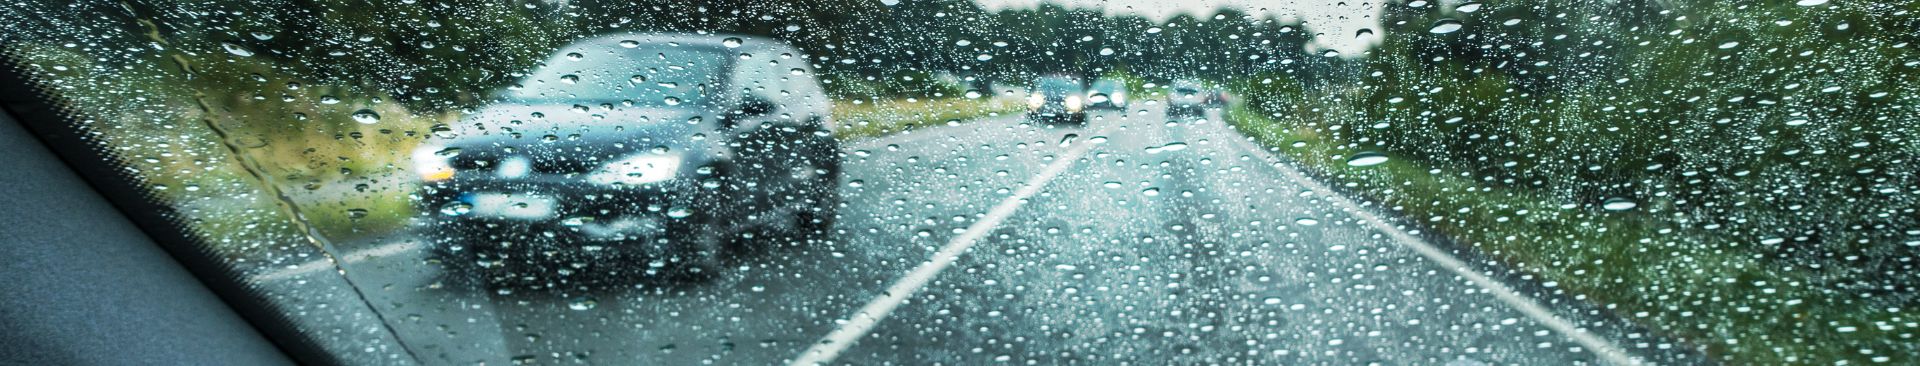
x=873 y=118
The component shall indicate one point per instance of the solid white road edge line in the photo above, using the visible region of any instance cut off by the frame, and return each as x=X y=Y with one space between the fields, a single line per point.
x=1605 y=349
x=860 y=323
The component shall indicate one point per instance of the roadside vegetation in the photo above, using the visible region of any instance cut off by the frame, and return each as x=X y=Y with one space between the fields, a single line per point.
x=869 y=119
x=1735 y=175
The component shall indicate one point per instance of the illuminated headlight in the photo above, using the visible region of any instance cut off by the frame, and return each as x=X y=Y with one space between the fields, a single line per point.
x=637 y=170
x=1074 y=103
x=1036 y=100
x=432 y=162
x=1119 y=98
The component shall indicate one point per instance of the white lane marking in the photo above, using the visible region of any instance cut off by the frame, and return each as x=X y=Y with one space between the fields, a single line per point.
x=1607 y=351
x=870 y=315
x=321 y=264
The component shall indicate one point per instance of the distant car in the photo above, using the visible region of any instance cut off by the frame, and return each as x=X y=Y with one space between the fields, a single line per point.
x=1217 y=98
x=1185 y=99
x=1107 y=94
x=1057 y=99
x=634 y=153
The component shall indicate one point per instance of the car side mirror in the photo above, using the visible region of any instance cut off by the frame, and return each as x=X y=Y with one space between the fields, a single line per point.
x=754 y=106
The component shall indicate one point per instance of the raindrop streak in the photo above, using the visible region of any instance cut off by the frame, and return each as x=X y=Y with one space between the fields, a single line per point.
x=1618 y=204
x=1367 y=159
x=236 y=49
x=1171 y=146
x=1445 y=26
x=366 y=117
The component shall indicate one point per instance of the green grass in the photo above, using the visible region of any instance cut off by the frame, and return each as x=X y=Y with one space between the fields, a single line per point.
x=872 y=119
x=1696 y=285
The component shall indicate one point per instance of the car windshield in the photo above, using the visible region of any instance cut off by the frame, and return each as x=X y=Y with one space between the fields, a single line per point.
x=929 y=182
x=642 y=74
x=1056 y=86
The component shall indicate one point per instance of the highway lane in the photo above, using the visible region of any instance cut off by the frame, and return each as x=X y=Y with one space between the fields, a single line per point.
x=1156 y=243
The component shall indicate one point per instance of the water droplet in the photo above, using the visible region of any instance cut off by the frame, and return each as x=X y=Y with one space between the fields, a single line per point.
x=1330 y=53
x=1304 y=221
x=356 y=213
x=570 y=78
x=983 y=57
x=1810 y=2
x=889 y=2
x=1618 y=204
x=1098 y=98
x=629 y=43
x=236 y=49
x=583 y=303
x=679 y=212
x=366 y=117
x=1154 y=30
x=329 y=99
x=1468 y=8
x=1445 y=26
x=456 y=209
x=1106 y=51
x=575 y=56
x=1367 y=159
x=731 y=42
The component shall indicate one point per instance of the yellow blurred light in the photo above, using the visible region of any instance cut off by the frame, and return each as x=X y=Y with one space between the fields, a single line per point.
x=437 y=175
x=1036 y=100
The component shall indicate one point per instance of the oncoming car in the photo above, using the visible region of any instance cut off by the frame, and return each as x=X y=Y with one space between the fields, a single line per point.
x=1107 y=94
x=1185 y=99
x=633 y=155
x=1057 y=99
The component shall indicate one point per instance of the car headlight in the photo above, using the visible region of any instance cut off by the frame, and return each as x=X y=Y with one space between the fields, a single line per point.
x=1118 y=98
x=636 y=170
x=1073 y=103
x=1036 y=100
x=433 y=163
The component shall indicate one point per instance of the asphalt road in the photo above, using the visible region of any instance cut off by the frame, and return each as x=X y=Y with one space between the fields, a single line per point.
x=1130 y=241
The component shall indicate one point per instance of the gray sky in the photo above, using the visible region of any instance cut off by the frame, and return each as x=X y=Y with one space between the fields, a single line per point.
x=1336 y=20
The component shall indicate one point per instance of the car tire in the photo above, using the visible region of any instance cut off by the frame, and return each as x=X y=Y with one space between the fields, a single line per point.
x=703 y=256
x=816 y=221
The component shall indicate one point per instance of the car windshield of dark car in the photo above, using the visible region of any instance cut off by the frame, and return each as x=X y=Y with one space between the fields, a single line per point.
x=648 y=75
x=1057 y=87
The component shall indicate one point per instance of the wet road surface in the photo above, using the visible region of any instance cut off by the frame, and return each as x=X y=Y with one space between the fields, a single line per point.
x=1149 y=242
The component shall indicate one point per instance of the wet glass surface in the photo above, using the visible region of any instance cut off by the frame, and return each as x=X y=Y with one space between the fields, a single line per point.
x=957 y=182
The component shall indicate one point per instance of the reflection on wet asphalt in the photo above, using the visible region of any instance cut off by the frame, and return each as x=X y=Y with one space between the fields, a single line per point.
x=1164 y=244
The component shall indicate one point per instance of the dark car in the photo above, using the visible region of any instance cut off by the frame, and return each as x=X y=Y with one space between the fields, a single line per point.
x=1185 y=100
x=1058 y=100
x=657 y=149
